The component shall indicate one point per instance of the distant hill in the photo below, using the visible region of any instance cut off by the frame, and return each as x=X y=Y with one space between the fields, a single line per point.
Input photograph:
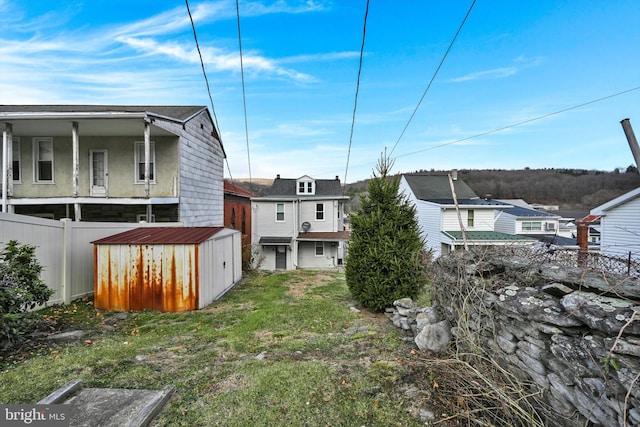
x=568 y=188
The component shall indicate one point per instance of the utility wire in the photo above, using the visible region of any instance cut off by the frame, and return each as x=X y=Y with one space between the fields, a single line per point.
x=433 y=77
x=195 y=37
x=564 y=110
x=244 y=97
x=355 y=102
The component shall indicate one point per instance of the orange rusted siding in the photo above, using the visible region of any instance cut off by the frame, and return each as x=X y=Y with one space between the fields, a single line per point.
x=139 y=277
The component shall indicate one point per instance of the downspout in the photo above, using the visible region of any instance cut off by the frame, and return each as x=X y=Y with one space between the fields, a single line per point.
x=633 y=142
x=6 y=136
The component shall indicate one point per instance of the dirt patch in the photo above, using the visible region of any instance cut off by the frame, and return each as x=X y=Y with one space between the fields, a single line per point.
x=299 y=288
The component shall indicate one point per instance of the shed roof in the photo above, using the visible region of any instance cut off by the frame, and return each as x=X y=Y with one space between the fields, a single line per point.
x=324 y=235
x=524 y=212
x=178 y=112
x=485 y=236
x=160 y=235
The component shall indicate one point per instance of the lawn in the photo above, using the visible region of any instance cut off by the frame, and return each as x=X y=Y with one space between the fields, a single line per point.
x=279 y=349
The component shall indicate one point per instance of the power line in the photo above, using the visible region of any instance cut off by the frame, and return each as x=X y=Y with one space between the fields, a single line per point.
x=434 y=76
x=244 y=97
x=195 y=37
x=355 y=102
x=564 y=110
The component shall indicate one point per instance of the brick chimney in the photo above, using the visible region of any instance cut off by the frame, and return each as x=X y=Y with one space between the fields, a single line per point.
x=582 y=236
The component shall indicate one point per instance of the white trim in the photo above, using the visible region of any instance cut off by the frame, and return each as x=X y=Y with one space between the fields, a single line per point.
x=324 y=215
x=96 y=191
x=36 y=159
x=600 y=210
x=283 y=212
x=92 y=200
x=152 y=163
x=315 y=248
x=16 y=156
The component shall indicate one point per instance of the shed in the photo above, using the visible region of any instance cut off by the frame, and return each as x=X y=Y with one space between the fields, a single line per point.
x=165 y=268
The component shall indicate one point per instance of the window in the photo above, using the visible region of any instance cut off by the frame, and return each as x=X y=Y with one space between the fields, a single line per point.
x=280 y=212
x=43 y=159
x=306 y=187
x=531 y=226
x=139 y=161
x=320 y=211
x=244 y=221
x=470 y=217
x=319 y=248
x=233 y=218
x=15 y=166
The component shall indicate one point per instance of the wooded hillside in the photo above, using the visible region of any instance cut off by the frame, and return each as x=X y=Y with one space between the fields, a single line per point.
x=568 y=188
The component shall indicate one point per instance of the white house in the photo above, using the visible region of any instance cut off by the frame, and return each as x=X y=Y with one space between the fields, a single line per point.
x=112 y=163
x=444 y=225
x=300 y=224
x=620 y=225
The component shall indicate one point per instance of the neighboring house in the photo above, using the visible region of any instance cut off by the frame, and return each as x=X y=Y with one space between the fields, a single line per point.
x=438 y=217
x=112 y=163
x=526 y=221
x=593 y=223
x=620 y=225
x=300 y=224
x=237 y=213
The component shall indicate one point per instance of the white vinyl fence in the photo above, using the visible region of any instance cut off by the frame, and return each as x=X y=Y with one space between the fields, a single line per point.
x=64 y=249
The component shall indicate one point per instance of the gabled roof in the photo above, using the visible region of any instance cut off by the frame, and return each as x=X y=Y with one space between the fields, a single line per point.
x=177 y=112
x=437 y=187
x=286 y=187
x=160 y=235
x=627 y=197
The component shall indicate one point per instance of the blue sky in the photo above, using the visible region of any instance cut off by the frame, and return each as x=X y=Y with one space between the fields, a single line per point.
x=513 y=62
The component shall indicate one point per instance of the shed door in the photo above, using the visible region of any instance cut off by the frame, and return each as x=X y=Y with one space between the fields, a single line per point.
x=281 y=257
x=98 y=172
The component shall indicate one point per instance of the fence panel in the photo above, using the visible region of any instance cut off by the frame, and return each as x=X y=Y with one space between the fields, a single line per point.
x=64 y=249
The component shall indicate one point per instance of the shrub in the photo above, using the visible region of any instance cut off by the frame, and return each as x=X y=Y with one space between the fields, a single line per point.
x=385 y=261
x=21 y=289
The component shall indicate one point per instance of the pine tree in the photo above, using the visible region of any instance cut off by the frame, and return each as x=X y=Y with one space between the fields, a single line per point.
x=385 y=260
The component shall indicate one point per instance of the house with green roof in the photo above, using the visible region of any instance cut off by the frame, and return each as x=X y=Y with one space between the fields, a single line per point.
x=448 y=222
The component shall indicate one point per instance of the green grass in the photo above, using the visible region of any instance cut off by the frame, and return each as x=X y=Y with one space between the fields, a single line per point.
x=323 y=363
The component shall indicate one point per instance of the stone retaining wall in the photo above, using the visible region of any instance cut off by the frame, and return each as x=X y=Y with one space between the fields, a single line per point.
x=573 y=334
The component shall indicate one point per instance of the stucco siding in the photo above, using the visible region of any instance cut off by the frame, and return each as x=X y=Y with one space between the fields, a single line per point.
x=120 y=166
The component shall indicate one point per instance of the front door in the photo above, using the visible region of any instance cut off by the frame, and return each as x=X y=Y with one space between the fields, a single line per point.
x=281 y=257
x=98 y=173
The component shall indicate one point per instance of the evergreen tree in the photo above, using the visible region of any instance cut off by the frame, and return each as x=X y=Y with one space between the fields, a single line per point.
x=386 y=252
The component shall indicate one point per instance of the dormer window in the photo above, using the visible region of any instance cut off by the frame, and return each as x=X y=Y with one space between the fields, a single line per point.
x=306 y=186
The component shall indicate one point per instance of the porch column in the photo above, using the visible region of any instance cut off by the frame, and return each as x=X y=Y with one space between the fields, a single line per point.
x=7 y=146
x=147 y=153
x=76 y=151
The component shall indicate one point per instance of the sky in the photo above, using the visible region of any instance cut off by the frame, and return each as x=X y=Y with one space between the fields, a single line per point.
x=526 y=83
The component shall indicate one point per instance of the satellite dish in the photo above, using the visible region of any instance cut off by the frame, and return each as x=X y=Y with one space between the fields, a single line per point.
x=306 y=226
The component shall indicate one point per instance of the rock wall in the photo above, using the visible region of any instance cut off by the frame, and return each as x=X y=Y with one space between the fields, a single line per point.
x=572 y=334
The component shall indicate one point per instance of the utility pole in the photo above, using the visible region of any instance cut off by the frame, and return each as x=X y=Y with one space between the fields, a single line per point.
x=455 y=201
x=633 y=142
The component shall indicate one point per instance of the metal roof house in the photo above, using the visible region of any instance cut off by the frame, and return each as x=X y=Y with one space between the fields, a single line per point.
x=166 y=269
x=300 y=224
x=447 y=223
x=112 y=163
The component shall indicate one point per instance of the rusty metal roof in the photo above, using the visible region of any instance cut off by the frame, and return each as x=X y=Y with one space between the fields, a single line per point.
x=160 y=235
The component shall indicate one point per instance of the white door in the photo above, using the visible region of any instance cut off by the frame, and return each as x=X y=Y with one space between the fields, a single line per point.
x=98 y=173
